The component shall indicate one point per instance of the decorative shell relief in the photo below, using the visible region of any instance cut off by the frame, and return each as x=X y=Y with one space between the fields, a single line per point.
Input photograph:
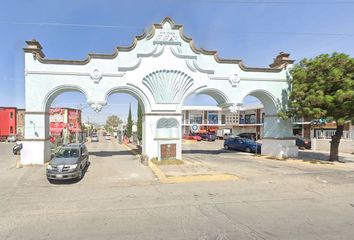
x=168 y=86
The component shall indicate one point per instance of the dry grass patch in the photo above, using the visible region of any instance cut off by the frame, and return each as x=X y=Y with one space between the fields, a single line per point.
x=167 y=161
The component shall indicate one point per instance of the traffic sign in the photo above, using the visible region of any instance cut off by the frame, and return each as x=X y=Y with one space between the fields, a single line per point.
x=194 y=127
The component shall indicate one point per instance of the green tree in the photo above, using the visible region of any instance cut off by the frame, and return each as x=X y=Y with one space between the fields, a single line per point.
x=130 y=122
x=323 y=87
x=140 y=123
x=112 y=122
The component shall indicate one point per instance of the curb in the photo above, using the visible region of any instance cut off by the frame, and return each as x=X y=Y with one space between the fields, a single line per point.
x=130 y=149
x=312 y=162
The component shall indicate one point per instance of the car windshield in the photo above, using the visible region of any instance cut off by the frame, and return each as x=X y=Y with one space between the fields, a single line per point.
x=67 y=153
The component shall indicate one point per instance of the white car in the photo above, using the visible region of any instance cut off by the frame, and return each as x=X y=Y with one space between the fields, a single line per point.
x=94 y=138
x=12 y=138
x=108 y=137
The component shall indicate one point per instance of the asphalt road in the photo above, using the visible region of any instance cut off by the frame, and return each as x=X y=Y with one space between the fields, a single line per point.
x=279 y=200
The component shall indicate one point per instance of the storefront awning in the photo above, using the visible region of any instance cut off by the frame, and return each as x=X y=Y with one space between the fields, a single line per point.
x=55 y=130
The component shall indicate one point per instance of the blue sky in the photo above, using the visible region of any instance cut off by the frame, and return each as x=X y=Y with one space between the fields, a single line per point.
x=254 y=31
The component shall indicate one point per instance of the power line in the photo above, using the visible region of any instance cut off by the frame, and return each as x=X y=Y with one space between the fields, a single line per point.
x=307 y=33
x=70 y=25
x=132 y=27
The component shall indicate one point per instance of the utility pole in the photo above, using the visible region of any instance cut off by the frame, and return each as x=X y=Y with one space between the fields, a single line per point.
x=76 y=132
x=77 y=122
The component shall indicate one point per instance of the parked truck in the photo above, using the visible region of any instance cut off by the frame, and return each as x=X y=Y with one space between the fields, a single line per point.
x=223 y=133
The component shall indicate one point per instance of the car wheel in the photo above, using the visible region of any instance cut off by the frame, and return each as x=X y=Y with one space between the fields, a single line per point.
x=247 y=149
x=226 y=147
x=80 y=174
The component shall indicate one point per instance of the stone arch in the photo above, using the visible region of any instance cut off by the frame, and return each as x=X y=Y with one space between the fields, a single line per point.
x=133 y=91
x=268 y=100
x=160 y=80
x=277 y=133
x=219 y=96
x=56 y=91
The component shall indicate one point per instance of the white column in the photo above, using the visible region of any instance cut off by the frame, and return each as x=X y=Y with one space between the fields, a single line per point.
x=278 y=140
x=36 y=145
x=150 y=147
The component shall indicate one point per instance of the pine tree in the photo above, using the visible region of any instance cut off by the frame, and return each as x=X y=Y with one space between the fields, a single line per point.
x=140 y=123
x=130 y=122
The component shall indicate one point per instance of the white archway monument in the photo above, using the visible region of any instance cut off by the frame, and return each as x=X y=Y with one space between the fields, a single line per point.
x=161 y=68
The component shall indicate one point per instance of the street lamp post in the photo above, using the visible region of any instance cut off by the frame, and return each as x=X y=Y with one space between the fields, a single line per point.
x=239 y=105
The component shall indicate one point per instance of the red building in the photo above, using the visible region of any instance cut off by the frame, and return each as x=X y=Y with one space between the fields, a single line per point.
x=7 y=122
x=64 y=121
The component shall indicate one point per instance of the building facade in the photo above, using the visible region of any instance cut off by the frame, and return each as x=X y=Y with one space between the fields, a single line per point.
x=7 y=122
x=247 y=119
x=161 y=68
x=64 y=123
x=20 y=123
x=250 y=119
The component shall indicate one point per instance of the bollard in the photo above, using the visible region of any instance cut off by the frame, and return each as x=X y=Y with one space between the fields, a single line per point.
x=17 y=151
x=18 y=161
x=144 y=159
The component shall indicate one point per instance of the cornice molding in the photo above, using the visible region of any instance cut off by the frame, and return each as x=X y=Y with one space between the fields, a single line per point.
x=130 y=68
x=36 y=50
x=27 y=72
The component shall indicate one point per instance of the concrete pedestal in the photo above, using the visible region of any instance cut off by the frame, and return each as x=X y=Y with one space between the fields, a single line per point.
x=279 y=148
x=35 y=152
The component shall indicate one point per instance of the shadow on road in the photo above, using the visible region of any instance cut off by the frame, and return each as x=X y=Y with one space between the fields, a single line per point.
x=211 y=152
x=109 y=153
x=309 y=155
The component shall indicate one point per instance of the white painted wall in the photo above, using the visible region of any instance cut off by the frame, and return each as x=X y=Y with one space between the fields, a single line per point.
x=163 y=48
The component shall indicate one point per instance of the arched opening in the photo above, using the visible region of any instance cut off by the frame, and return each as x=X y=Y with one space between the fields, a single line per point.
x=202 y=111
x=265 y=118
x=71 y=118
x=203 y=122
x=64 y=124
x=251 y=114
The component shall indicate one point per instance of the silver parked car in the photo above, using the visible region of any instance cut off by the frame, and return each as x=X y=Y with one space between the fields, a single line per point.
x=69 y=162
x=94 y=138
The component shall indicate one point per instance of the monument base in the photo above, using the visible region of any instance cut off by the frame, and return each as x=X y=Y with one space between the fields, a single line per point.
x=279 y=148
x=35 y=152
